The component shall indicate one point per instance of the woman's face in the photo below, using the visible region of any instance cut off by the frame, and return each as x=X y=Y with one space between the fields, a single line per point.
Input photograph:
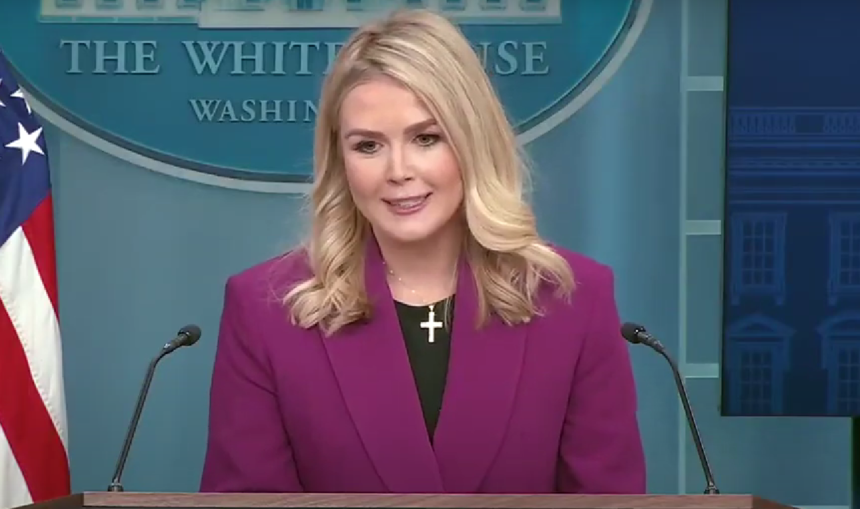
x=402 y=172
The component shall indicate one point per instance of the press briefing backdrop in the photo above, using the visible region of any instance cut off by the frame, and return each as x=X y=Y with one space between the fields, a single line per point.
x=792 y=295
x=170 y=174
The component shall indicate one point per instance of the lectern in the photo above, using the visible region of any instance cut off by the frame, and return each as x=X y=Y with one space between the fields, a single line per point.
x=128 y=500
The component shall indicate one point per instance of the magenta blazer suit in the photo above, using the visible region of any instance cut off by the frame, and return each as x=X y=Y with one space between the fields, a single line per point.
x=538 y=408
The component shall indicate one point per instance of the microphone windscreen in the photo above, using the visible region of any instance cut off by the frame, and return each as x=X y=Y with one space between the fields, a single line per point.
x=191 y=333
x=630 y=332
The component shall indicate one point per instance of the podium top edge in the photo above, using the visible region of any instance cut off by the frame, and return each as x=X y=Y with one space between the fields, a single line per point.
x=168 y=500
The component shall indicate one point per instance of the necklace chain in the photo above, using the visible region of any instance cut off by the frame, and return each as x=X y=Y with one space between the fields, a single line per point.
x=412 y=290
x=431 y=324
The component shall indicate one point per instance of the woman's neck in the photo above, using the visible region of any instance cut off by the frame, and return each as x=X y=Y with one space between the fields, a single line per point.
x=423 y=272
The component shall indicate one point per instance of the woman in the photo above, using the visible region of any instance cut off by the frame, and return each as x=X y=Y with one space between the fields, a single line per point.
x=425 y=339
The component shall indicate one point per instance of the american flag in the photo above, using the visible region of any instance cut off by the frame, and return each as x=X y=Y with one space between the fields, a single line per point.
x=34 y=462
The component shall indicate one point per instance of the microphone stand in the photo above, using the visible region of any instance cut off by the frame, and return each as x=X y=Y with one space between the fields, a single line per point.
x=116 y=484
x=711 y=487
x=636 y=334
x=187 y=336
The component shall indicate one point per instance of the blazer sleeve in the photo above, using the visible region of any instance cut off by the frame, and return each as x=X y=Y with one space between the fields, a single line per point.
x=248 y=449
x=601 y=449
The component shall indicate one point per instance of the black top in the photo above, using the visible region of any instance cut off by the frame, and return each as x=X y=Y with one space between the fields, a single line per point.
x=429 y=360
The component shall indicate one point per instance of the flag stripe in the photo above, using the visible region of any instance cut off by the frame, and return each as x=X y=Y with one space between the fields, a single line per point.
x=33 y=412
x=39 y=230
x=35 y=322
x=15 y=492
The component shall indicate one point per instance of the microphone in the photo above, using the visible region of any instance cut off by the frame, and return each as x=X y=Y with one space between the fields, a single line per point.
x=186 y=336
x=636 y=334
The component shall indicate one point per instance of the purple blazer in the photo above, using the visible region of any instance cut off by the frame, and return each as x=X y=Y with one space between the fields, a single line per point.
x=539 y=408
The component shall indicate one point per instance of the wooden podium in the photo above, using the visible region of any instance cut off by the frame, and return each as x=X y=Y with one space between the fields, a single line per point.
x=129 y=500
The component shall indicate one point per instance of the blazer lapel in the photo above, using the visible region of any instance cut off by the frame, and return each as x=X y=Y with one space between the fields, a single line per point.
x=483 y=375
x=373 y=371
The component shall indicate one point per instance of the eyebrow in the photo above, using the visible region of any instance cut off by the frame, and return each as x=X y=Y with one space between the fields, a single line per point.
x=416 y=127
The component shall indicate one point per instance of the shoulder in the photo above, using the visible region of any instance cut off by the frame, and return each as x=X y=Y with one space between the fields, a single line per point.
x=592 y=312
x=270 y=279
x=590 y=275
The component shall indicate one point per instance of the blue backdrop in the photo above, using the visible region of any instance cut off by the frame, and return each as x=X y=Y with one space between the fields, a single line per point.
x=792 y=286
x=635 y=178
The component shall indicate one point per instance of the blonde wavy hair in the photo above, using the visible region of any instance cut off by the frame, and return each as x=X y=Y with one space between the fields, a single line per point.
x=427 y=54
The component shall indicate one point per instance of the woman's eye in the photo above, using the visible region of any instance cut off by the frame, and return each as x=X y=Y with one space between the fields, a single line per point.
x=366 y=147
x=427 y=140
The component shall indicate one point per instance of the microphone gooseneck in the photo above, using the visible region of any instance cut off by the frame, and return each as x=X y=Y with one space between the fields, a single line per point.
x=186 y=336
x=637 y=334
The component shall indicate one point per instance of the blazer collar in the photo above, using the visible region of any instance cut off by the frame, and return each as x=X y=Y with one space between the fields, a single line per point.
x=372 y=367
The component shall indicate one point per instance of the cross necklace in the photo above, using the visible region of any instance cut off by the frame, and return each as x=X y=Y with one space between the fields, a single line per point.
x=430 y=324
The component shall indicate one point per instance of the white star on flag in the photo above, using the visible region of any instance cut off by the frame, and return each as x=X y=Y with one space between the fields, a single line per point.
x=26 y=142
x=20 y=95
x=1 y=102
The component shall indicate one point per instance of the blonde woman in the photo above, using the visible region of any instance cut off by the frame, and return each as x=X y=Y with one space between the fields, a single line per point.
x=425 y=338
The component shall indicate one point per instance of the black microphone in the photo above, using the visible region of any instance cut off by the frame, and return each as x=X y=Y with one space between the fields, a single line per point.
x=636 y=334
x=186 y=336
